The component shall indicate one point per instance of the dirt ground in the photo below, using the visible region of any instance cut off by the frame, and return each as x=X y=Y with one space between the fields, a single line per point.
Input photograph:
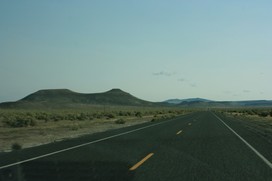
x=57 y=131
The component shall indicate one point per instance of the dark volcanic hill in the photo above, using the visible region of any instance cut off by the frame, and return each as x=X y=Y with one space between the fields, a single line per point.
x=64 y=98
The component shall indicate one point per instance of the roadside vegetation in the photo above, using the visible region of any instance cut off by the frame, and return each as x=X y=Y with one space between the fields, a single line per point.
x=257 y=120
x=20 y=119
x=34 y=127
x=260 y=112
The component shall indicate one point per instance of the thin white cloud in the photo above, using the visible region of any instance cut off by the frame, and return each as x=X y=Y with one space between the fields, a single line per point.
x=227 y=92
x=181 y=80
x=246 y=91
x=163 y=73
x=193 y=85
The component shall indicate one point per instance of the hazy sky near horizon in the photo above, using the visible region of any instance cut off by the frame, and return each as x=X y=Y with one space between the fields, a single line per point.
x=155 y=49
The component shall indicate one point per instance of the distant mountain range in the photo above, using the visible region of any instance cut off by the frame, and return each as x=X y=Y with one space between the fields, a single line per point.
x=65 y=98
x=199 y=102
x=179 y=101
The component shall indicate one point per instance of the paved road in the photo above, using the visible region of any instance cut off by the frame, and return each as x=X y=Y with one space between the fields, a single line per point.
x=198 y=146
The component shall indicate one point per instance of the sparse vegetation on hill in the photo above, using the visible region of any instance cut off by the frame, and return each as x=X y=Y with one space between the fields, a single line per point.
x=64 y=98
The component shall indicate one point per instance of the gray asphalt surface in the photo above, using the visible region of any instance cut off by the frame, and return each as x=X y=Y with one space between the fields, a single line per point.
x=197 y=146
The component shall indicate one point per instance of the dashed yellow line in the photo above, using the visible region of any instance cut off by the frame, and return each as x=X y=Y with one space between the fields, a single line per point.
x=179 y=132
x=141 y=162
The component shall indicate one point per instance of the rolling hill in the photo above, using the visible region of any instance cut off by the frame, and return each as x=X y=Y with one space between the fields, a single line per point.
x=65 y=98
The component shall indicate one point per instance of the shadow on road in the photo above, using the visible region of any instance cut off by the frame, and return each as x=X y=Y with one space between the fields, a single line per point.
x=67 y=171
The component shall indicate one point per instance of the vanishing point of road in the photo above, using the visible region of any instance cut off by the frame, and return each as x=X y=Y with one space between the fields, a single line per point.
x=198 y=146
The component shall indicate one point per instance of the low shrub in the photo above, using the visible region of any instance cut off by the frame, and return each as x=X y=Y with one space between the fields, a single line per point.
x=153 y=120
x=263 y=114
x=120 y=121
x=16 y=146
x=57 y=117
x=20 y=121
x=122 y=113
x=110 y=115
x=138 y=114
x=75 y=127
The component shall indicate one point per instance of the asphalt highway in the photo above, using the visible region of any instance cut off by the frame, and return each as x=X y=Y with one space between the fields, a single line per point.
x=197 y=146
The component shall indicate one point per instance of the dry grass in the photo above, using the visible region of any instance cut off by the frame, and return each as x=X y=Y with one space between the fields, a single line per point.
x=47 y=132
x=56 y=125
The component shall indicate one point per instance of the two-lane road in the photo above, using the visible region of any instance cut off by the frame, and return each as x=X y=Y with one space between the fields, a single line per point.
x=199 y=146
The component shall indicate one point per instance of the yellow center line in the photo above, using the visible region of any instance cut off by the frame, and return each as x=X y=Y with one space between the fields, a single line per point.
x=179 y=132
x=141 y=162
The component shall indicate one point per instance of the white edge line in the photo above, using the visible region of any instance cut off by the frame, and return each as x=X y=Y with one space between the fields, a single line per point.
x=84 y=144
x=251 y=147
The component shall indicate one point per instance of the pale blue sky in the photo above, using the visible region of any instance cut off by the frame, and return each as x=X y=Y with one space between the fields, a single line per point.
x=155 y=50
